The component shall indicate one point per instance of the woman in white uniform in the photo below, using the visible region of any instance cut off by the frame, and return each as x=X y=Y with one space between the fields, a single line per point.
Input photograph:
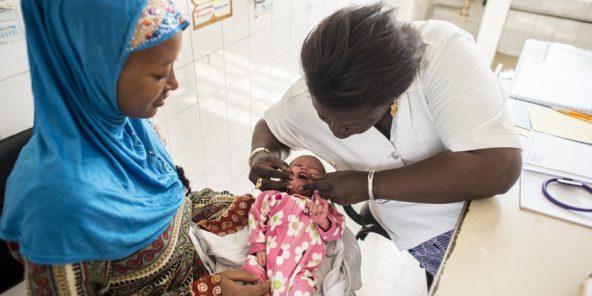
x=408 y=113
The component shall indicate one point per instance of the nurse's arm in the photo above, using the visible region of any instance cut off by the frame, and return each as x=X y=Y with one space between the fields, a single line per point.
x=267 y=164
x=452 y=176
x=263 y=137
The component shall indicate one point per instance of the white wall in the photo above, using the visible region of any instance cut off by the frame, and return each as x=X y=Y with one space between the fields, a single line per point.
x=16 y=98
x=522 y=25
x=229 y=73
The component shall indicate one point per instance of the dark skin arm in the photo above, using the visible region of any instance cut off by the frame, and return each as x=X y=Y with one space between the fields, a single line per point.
x=265 y=165
x=443 y=178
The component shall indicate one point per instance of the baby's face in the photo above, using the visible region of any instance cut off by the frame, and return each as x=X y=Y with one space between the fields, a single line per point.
x=305 y=170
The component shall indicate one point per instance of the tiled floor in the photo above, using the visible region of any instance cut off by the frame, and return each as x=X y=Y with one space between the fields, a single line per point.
x=386 y=271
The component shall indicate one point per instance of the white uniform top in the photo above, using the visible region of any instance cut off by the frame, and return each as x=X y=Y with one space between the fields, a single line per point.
x=453 y=104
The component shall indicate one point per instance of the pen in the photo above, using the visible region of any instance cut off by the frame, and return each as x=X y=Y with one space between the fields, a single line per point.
x=574 y=114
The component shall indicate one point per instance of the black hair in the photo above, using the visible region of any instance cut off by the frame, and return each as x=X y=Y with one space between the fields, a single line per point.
x=360 y=55
x=183 y=179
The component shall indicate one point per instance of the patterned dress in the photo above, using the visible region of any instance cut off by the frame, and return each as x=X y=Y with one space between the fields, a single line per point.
x=168 y=266
x=294 y=245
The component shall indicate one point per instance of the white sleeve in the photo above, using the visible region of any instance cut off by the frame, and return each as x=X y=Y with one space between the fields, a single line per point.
x=280 y=117
x=466 y=102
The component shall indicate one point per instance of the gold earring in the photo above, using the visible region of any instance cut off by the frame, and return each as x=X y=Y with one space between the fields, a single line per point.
x=394 y=108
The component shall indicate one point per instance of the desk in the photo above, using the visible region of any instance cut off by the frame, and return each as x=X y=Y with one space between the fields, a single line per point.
x=499 y=249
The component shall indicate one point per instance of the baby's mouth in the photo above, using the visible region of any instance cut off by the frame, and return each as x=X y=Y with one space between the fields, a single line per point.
x=300 y=179
x=303 y=176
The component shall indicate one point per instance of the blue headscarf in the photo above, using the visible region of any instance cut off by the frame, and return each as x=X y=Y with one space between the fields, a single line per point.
x=91 y=184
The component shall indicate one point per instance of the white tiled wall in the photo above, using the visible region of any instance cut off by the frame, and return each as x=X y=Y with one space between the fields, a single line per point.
x=521 y=25
x=565 y=21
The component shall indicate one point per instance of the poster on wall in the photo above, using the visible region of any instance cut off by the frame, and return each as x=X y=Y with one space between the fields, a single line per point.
x=207 y=12
x=10 y=29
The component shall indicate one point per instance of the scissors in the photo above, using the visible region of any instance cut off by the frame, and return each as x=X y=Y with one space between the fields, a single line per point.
x=568 y=182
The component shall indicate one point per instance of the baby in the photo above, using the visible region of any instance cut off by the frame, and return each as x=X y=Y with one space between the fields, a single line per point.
x=287 y=232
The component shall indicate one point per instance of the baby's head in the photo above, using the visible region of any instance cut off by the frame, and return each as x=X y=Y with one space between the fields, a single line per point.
x=305 y=169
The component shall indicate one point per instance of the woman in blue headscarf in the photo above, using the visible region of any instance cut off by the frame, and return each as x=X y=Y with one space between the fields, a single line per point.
x=94 y=204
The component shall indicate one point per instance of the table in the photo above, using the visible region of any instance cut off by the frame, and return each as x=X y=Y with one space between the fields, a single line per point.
x=500 y=249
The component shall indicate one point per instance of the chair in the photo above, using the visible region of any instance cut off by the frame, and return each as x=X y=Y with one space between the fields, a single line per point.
x=11 y=271
x=369 y=225
x=366 y=220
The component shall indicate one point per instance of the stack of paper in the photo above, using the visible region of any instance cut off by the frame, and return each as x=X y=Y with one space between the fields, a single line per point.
x=569 y=55
x=554 y=85
x=551 y=122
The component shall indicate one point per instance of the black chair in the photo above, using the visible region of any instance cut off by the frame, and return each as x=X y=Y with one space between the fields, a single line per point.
x=369 y=225
x=366 y=220
x=11 y=271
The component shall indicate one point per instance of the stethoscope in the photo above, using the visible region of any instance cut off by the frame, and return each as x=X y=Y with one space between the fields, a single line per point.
x=568 y=182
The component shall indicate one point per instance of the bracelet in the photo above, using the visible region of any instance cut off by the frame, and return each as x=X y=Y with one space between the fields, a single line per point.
x=370 y=185
x=258 y=149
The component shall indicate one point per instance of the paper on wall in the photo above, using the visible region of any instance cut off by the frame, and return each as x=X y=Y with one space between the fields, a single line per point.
x=10 y=29
x=206 y=12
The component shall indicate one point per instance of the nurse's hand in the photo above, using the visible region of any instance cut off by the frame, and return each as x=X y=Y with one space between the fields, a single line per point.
x=229 y=286
x=265 y=166
x=343 y=187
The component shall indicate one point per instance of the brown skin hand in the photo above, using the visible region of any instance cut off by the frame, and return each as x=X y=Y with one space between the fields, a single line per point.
x=442 y=178
x=251 y=288
x=453 y=176
x=265 y=165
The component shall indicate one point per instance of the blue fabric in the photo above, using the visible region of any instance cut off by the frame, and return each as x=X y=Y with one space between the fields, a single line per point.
x=430 y=253
x=92 y=184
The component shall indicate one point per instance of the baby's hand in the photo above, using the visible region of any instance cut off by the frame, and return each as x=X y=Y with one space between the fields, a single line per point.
x=261 y=258
x=318 y=211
